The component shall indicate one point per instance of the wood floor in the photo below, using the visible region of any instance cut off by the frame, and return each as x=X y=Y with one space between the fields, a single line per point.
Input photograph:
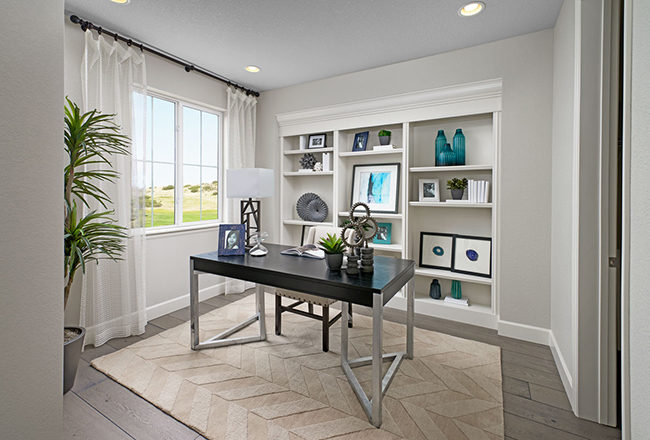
x=535 y=404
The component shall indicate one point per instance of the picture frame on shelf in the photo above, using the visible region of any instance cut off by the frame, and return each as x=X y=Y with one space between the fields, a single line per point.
x=429 y=190
x=231 y=240
x=317 y=141
x=383 y=235
x=360 y=141
x=376 y=185
x=473 y=255
x=436 y=250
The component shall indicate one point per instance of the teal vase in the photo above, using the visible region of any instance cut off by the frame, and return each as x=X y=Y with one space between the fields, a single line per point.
x=447 y=157
x=441 y=141
x=459 y=147
x=456 y=292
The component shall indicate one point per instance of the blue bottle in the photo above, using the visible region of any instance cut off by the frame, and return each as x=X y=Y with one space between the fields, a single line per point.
x=459 y=147
x=447 y=157
x=441 y=140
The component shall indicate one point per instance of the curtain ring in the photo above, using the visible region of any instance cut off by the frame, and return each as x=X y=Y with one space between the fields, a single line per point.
x=99 y=31
x=141 y=47
x=129 y=43
x=115 y=36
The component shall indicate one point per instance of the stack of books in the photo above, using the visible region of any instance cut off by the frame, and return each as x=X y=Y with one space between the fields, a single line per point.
x=478 y=191
x=383 y=147
x=458 y=302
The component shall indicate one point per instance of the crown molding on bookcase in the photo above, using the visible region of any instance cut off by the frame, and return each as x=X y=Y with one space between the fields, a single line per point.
x=452 y=101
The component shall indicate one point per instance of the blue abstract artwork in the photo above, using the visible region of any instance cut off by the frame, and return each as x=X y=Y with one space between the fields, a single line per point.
x=438 y=251
x=375 y=187
x=472 y=255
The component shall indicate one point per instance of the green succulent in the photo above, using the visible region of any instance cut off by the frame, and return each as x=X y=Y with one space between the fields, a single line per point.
x=384 y=133
x=332 y=244
x=456 y=183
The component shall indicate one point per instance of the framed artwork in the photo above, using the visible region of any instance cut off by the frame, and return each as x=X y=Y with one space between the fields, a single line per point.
x=376 y=185
x=231 y=240
x=383 y=233
x=360 y=141
x=473 y=255
x=317 y=140
x=429 y=190
x=436 y=250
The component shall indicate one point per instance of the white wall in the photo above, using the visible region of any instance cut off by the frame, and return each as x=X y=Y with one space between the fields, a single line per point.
x=640 y=223
x=526 y=65
x=167 y=255
x=31 y=191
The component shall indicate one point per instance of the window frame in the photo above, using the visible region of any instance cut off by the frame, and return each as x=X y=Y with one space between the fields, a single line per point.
x=179 y=103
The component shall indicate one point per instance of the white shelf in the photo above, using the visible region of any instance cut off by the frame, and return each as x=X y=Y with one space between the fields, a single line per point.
x=370 y=152
x=296 y=222
x=474 y=314
x=477 y=308
x=386 y=247
x=313 y=150
x=451 y=205
x=451 y=168
x=449 y=275
x=312 y=174
x=375 y=215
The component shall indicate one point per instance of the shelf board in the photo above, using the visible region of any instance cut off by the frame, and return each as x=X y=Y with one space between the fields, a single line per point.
x=313 y=150
x=386 y=247
x=297 y=222
x=475 y=308
x=474 y=314
x=375 y=215
x=312 y=174
x=449 y=275
x=370 y=152
x=451 y=205
x=451 y=168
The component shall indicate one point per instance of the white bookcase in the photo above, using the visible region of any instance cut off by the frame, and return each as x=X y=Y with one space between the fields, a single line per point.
x=414 y=120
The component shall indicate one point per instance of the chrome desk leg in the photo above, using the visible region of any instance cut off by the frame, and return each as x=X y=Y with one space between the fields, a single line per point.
x=194 y=306
x=344 y=335
x=377 y=357
x=259 y=300
x=410 y=317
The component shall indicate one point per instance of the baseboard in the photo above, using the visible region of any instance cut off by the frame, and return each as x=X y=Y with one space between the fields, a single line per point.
x=563 y=369
x=523 y=332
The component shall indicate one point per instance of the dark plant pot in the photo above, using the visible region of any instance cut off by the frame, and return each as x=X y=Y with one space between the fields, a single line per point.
x=457 y=194
x=334 y=261
x=384 y=140
x=71 y=355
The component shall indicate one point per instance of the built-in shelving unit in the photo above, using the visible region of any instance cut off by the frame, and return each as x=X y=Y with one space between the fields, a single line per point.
x=414 y=120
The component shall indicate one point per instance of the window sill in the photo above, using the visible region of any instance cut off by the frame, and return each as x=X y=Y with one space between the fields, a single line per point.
x=162 y=231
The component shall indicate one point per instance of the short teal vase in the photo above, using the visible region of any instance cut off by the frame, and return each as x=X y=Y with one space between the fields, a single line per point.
x=459 y=147
x=441 y=141
x=447 y=157
x=456 y=292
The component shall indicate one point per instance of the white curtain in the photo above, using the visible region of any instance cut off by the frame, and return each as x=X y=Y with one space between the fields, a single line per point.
x=241 y=126
x=113 y=293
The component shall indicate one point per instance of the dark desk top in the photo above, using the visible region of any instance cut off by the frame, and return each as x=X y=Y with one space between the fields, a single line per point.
x=310 y=275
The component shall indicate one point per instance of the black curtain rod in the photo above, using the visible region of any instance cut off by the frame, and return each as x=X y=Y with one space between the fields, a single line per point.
x=85 y=25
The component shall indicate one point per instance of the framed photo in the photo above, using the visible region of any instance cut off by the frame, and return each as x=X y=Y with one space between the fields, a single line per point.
x=383 y=233
x=473 y=255
x=231 y=240
x=317 y=141
x=376 y=185
x=360 y=141
x=436 y=250
x=429 y=190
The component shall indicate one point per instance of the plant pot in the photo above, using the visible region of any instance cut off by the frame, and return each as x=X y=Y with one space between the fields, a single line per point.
x=334 y=261
x=457 y=194
x=71 y=355
x=384 y=140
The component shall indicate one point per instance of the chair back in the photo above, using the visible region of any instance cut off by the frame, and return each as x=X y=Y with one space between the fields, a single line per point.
x=317 y=232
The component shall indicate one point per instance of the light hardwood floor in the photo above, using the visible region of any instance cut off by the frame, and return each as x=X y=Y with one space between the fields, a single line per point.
x=535 y=404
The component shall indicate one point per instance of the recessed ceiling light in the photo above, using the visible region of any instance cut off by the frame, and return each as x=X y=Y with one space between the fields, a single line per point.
x=253 y=69
x=122 y=2
x=471 y=9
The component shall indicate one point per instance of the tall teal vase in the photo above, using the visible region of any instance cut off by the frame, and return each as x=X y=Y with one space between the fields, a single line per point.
x=459 y=147
x=447 y=157
x=441 y=140
x=456 y=292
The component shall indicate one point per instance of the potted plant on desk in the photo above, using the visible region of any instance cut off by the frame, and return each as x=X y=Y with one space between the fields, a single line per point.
x=334 y=248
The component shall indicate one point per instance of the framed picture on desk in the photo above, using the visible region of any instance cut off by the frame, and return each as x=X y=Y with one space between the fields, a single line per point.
x=231 y=240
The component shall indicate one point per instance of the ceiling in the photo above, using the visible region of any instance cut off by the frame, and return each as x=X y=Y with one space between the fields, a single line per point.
x=295 y=41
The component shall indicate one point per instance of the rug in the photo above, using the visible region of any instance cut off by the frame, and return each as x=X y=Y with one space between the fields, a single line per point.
x=286 y=388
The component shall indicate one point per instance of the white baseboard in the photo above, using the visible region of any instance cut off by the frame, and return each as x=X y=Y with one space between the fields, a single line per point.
x=563 y=369
x=523 y=332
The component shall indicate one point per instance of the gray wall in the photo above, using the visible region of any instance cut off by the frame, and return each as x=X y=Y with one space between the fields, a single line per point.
x=526 y=65
x=31 y=191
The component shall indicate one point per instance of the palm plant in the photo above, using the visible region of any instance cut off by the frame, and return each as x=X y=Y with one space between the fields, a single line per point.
x=91 y=139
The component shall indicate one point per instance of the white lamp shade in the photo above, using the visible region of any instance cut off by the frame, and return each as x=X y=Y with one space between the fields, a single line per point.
x=254 y=183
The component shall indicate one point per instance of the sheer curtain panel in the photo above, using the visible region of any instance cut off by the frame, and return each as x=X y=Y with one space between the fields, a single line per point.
x=113 y=80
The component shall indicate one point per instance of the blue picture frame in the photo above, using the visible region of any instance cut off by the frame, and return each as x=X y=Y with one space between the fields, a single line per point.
x=231 y=240
x=383 y=233
x=360 y=141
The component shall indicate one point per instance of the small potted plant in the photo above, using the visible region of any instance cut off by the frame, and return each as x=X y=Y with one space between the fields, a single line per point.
x=384 y=137
x=457 y=187
x=334 y=247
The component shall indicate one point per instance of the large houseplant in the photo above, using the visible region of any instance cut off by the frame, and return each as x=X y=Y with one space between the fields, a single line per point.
x=91 y=139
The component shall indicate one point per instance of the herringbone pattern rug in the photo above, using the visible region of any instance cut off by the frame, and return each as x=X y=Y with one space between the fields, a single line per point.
x=286 y=388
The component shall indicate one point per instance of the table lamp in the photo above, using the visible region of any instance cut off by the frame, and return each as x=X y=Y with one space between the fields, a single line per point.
x=248 y=184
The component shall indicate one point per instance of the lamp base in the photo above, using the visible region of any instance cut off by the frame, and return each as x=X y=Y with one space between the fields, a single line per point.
x=250 y=212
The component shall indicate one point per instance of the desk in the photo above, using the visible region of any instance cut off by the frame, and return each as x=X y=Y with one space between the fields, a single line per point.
x=312 y=276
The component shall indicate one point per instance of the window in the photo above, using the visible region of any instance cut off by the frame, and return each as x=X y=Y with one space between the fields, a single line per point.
x=182 y=164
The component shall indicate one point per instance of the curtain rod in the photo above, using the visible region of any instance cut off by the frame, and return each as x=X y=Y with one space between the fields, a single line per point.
x=85 y=25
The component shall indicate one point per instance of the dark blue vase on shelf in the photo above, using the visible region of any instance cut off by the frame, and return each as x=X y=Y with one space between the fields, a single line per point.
x=434 y=290
x=447 y=157
x=459 y=146
x=441 y=140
